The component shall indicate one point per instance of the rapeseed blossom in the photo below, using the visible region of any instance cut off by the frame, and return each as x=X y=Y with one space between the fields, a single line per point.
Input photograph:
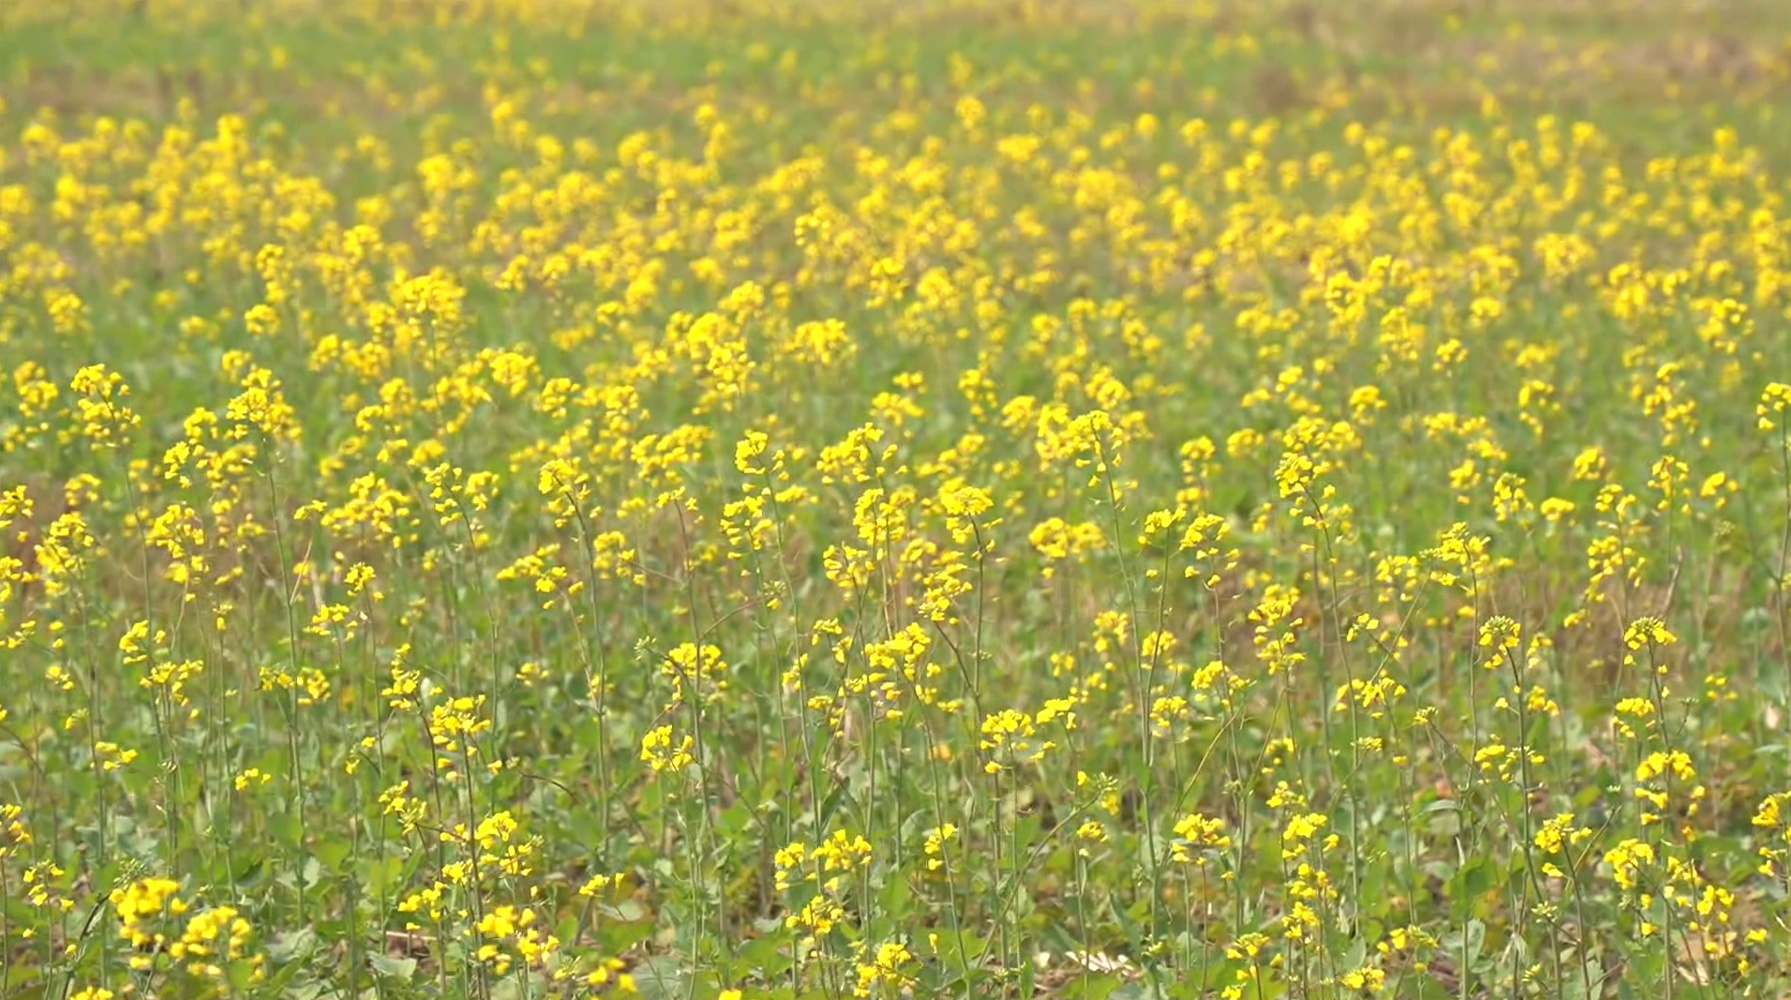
x=516 y=498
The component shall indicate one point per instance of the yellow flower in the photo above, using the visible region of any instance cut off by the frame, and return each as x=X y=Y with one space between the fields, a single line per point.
x=1647 y=631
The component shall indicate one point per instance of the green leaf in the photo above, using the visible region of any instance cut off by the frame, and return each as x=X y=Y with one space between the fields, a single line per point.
x=661 y=977
x=313 y=870
x=18 y=975
x=1098 y=987
x=292 y=946
x=1475 y=878
x=959 y=957
x=840 y=795
x=331 y=853
x=766 y=956
x=617 y=936
x=388 y=967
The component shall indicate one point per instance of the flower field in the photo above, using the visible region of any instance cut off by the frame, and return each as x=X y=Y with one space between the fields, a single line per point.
x=803 y=500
